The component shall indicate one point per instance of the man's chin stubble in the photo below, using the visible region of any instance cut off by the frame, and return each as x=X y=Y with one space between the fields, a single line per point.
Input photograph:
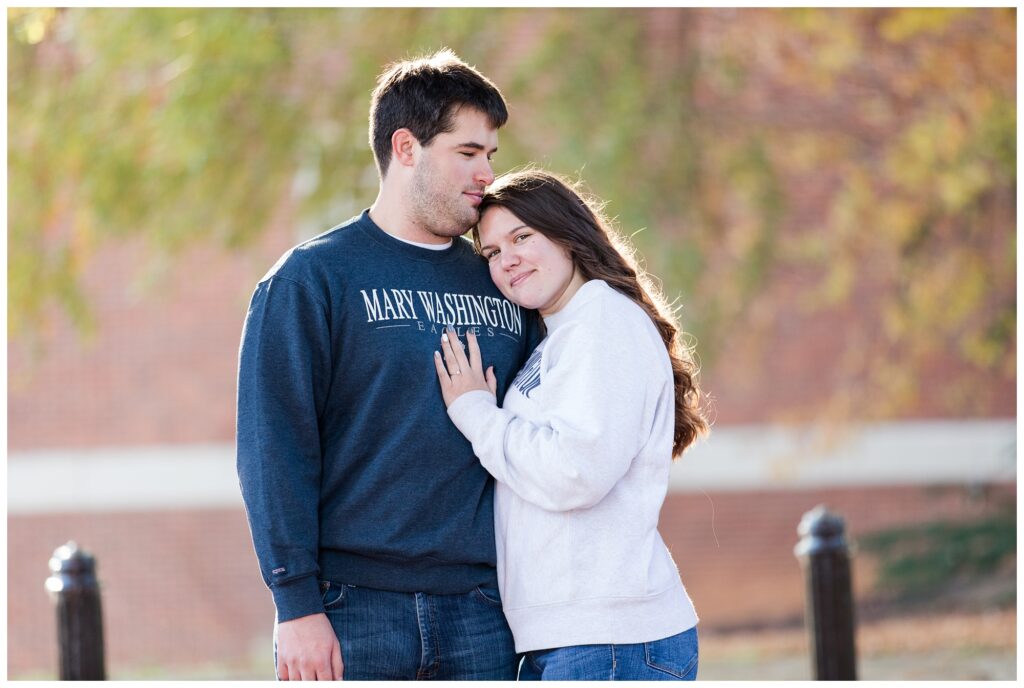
x=457 y=228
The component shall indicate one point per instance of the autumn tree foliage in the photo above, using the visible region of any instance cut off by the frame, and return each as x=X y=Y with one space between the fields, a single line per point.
x=852 y=170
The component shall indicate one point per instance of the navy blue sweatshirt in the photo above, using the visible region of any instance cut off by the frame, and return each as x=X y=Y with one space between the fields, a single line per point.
x=348 y=463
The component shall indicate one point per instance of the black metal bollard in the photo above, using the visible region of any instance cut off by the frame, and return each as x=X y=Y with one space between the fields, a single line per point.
x=73 y=586
x=825 y=557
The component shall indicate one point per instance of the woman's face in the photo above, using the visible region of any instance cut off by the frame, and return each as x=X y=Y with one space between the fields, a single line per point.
x=528 y=268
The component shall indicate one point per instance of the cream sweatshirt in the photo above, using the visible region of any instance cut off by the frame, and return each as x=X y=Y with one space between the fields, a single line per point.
x=581 y=454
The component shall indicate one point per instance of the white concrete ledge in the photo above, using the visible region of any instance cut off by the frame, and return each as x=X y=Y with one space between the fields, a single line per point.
x=733 y=458
x=895 y=453
x=122 y=479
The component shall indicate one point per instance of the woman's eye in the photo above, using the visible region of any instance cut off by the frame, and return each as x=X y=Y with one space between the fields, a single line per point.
x=491 y=255
x=520 y=237
x=468 y=155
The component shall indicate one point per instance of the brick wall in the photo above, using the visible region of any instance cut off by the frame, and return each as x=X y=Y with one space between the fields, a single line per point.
x=179 y=588
x=162 y=365
x=735 y=550
x=182 y=588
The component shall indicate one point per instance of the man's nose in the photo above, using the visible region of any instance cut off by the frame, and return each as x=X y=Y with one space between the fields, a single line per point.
x=485 y=173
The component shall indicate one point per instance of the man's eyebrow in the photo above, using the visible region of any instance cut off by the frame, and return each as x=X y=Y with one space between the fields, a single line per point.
x=476 y=146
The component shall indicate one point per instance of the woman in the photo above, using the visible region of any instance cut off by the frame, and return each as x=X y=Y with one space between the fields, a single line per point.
x=581 y=449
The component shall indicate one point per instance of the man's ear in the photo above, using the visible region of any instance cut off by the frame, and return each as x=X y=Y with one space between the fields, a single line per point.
x=403 y=147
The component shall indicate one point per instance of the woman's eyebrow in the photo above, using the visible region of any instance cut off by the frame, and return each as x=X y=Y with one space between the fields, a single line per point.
x=516 y=228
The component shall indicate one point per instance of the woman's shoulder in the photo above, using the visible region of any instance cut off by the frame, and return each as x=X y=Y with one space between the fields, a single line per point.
x=610 y=307
x=613 y=333
x=608 y=320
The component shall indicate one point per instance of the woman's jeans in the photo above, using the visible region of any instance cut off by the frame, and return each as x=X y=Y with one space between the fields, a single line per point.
x=404 y=636
x=669 y=659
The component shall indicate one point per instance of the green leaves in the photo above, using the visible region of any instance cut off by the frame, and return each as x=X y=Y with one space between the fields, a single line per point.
x=917 y=560
x=862 y=154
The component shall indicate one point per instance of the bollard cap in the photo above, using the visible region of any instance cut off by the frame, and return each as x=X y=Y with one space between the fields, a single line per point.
x=820 y=530
x=821 y=522
x=72 y=560
x=70 y=567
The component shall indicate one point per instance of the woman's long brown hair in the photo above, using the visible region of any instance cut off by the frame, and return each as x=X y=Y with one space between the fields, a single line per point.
x=552 y=206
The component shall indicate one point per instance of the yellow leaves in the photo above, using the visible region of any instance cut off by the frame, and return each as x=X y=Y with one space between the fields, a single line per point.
x=986 y=352
x=790 y=159
x=938 y=152
x=31 y=24
x=840 y=280
x=803 y=153
x=950 y=136
x=912 y=158
x=945 y=301
x=904 y=24
x=901 y=218
x=906 y=148
x=827 y=43
x=849 y=216
x=741 y=237
x=896 y=386
x=841 y=52
x=176 y=68
x=877 y=111
x=184 y=28
x=962 y=280
x=895 y=323
x=960 y=186
x=925 y=294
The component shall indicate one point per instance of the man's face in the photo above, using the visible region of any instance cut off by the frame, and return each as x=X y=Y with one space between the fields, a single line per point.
x=451 y=174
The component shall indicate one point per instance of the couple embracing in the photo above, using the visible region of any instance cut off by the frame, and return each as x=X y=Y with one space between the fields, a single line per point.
x=453 y=455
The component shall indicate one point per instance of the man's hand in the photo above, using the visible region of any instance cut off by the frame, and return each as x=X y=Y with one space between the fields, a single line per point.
x=308 y=650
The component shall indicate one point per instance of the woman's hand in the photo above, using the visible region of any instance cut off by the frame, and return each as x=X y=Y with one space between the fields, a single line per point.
x=459 y=374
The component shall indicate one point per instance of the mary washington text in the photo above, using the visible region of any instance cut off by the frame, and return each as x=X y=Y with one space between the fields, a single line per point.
x=444 y=309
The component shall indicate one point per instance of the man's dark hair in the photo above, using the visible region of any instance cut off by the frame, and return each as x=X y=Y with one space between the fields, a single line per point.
x=423 y=95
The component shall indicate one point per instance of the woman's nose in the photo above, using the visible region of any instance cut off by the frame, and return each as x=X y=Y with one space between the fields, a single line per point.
x=509 y=258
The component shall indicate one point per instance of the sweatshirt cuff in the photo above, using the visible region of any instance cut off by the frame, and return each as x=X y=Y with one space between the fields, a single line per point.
x=298 y=597
x=470 y=411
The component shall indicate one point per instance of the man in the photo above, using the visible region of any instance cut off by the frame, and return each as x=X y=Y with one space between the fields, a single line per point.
x=371 y=518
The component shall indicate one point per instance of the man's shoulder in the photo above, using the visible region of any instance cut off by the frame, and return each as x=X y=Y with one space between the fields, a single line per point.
x=306 y=258
x=344 y=234
x=465 y=252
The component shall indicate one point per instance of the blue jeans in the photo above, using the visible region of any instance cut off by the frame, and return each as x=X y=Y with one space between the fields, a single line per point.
x=670 y=659
x=402 y=636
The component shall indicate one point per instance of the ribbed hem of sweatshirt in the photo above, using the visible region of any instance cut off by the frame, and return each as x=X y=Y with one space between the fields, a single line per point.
x=298 y=597
x=602 y=620
x=422 y=574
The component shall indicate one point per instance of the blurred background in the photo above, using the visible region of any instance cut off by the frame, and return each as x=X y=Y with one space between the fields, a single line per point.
x=830 y=195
